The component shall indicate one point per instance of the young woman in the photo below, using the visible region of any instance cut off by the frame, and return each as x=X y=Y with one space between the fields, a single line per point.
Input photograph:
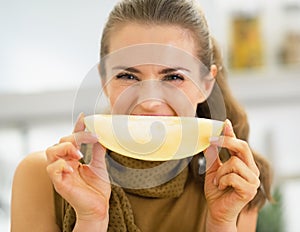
x=55 y=191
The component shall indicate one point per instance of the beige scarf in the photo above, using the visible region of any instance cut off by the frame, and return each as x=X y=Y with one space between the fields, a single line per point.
x=146 y=179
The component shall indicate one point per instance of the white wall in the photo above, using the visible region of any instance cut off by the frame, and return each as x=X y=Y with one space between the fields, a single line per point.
x=49 y=44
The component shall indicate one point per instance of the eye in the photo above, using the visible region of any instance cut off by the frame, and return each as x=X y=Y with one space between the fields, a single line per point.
x=173 y=77
x=126 y=77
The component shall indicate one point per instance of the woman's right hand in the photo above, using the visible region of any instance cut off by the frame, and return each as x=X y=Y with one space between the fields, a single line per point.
x=85 y=187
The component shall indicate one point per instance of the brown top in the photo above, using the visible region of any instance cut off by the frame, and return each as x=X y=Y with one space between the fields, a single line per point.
x=178 y=205
x=185 y=213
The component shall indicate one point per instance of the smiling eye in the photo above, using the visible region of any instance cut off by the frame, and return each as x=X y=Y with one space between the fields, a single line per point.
x=126 y=76
x=173 y=77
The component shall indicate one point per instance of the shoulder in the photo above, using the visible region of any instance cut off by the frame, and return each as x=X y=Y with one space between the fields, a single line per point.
x=32 y=190
x=36 y=159
x=31 y=172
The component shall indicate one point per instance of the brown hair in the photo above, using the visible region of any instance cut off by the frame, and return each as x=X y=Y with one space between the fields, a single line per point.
x=187 y=14
x=164 y=12
x=238 y=117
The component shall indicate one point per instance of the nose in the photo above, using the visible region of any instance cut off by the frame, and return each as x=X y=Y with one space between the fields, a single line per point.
x=151 y=105
x=150 y=95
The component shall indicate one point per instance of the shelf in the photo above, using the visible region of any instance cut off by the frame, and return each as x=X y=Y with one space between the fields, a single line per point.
x=259 y=88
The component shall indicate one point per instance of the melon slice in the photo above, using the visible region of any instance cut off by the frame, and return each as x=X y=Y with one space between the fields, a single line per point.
x=153 y=138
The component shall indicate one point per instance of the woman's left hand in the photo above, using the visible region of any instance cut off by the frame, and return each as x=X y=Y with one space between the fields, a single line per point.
x=231 y=185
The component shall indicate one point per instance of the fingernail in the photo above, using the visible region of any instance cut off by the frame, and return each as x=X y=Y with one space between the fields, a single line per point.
x=213 y=139
x=228 y=123
x=215 y=181
x=80 y=154
x=96 y=136
x=70 y=168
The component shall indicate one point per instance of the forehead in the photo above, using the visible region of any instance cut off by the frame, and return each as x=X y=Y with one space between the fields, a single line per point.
x=156 y=55
x=130 y=34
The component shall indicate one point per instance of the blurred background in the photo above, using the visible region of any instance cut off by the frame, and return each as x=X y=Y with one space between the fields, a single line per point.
x=48 y=52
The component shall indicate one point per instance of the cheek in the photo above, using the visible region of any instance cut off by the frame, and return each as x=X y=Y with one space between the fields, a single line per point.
x=114 y=97
x=195 y=95
x=112 y=92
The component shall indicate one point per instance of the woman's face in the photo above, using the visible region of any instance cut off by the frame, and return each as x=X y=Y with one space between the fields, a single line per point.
x=165 y=90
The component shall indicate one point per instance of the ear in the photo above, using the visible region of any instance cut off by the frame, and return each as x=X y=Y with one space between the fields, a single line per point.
x=210 y=80
x=213 y=71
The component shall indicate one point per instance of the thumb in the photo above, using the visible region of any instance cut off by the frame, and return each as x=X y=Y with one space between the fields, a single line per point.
x=79 y=125
x=228 y=129
x=213 y=161
x=98 y=164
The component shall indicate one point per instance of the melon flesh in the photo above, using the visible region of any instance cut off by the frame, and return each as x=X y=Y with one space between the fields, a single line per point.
x=153 y=138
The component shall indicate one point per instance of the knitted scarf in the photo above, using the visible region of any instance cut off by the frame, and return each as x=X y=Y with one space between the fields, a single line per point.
x=143 y=178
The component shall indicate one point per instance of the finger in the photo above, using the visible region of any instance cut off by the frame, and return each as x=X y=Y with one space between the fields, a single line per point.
x=240 y=149
x=98 y=158
x=98 y=164
x=228 y=129
x=57 y=171
x=235 y=165
x=79 y=138
x=244 y=189
x=212 y=159
x=66 y=151
x=79 y=125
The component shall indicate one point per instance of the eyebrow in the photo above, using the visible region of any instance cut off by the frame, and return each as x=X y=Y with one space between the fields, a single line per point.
x=170 y=70
x=164 y=71
x=129 y=69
